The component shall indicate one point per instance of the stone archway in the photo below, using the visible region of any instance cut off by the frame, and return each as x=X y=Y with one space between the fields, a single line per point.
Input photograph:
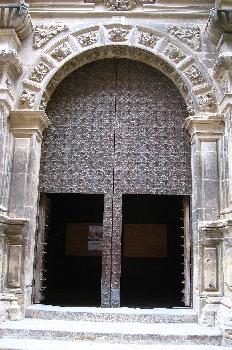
x=205 y=127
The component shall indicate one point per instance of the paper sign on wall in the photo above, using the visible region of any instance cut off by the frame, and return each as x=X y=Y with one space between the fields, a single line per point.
x=95 y=237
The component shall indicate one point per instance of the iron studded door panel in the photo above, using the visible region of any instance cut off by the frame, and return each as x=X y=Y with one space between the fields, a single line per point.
x=152 y=149
x=116 y=127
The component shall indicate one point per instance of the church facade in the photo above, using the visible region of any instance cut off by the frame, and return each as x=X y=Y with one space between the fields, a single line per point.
x=115 y=155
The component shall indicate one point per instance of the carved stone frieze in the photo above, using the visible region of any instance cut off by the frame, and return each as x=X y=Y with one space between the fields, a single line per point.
x=222 y=65
x=194 y=74
x=120 y=5
x=27 y=99
x=189 y=35
x=118 y=34
x=87 y=39
x=44 y=33
x=61 y=52
x=207 y=102
x=174 y=54
x=148 y=39
x=40 y=71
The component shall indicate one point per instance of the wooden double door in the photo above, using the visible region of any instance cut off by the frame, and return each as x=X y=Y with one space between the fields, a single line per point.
x=117 y=131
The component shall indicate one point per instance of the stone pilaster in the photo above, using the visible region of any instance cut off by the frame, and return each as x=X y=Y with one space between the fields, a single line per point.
x=26 y=128
x=206 y=142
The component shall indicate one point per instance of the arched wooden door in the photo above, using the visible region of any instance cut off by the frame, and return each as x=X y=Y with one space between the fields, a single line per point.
x=116 y=129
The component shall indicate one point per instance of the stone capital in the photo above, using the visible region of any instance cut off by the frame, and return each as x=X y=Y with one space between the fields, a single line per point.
x=210 y=125
x=24 y=123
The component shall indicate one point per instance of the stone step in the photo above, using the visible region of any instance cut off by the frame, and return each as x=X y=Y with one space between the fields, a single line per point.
x=119 y=332
x=29 y=344
x=177 y=315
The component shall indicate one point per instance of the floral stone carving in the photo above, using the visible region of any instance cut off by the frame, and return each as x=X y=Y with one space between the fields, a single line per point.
x=39 y=72
x=44 y=33
x=120 y=5
x=174 y=54
x=189 y=35
x=118 y=34
x=61 y=52
x=87 y=39
x=148 y=39
x=207 y=102
x=27 y=99
x=194 y=74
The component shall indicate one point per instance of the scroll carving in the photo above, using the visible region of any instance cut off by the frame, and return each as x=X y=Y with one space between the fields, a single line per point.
x=189 y=35
x=44 y=33
x=39 y=72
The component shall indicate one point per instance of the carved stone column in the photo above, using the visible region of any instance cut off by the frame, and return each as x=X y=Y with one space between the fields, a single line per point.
x=207 y=135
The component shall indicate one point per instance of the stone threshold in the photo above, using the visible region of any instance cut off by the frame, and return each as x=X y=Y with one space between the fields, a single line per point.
x=123 y=314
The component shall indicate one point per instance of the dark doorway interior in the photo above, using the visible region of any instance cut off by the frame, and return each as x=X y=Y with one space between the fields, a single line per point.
x=73 y=259
x=152 y=251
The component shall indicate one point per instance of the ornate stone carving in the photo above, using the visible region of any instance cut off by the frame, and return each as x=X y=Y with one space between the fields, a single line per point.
x=194 y=74
x=148 y=39
x=27 y=99
x=174 y=54
x=207 y=102
x=118 y=34
x=39 y=72
x=43 y=103
x=11 y=57
x=61 y=52
x=44 y=33
x=120 y=5
x=87 y=39
x=189 y=35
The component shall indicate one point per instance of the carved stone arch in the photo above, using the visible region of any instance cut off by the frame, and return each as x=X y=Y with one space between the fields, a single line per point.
x=157 y=49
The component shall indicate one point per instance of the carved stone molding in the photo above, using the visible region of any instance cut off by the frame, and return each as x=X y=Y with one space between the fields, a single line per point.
x=16 y=17
x=148 y=39
x=87 y=39
x=44 y=33
x=120 y=5
x=188 y=35
x=27 y=99
x=61 y=52
x=118 y=34
x=11 y=58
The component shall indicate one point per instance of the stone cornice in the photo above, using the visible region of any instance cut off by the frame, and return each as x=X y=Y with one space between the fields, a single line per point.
x=17 y=17
x=204 y=125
